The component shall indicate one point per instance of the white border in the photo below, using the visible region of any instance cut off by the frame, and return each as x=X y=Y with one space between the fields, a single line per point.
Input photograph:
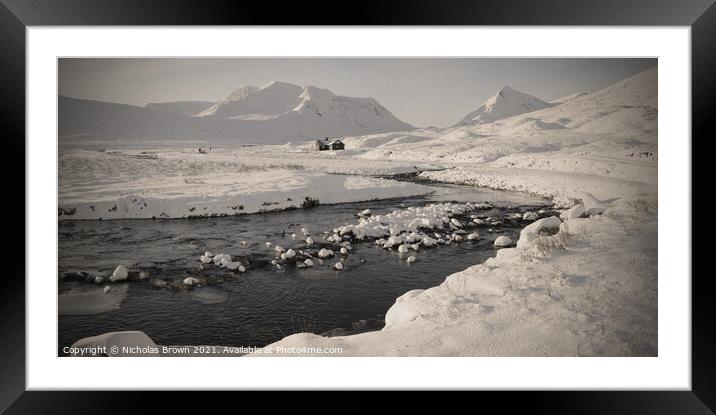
x=671 y=370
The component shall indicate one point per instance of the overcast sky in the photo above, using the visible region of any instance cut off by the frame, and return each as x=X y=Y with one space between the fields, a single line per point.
x=420 y=91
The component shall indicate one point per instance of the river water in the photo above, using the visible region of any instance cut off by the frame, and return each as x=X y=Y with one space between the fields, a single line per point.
x=263 y=304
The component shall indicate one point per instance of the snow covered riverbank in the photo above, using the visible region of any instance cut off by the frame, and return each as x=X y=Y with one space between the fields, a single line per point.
x=589 y=290
x=179 y=184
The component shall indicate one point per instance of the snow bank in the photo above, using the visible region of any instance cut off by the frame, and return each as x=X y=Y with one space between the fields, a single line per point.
x=518 y=305
x=502 y=241
x=576 y=211
x=545 y=226
x=563 y=188
x=185 y=186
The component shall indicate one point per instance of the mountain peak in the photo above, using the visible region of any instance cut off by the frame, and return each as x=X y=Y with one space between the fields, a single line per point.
x=507 y=102
x=280 y=85
x=241 y=92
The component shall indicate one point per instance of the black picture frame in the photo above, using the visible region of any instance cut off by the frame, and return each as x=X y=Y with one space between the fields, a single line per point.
x=15 y=15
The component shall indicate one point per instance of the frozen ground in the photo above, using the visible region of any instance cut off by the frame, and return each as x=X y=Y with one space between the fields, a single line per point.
x=589 y=289
x=180 y=183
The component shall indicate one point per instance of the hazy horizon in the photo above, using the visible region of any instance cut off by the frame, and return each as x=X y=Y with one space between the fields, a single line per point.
x=421 y=91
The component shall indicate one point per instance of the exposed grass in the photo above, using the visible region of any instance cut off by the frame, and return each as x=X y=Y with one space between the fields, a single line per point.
x=643 y=204
x=545 y=245
x=301 y=324
x=309 y=202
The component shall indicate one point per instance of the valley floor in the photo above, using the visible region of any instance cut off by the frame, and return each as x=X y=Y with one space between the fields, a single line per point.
x=589 y=290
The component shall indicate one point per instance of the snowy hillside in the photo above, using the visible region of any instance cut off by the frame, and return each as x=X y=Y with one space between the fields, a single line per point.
x=610 y=132
x=570 y=97
x=180 y=107
x=505 y=103
x=274 y=114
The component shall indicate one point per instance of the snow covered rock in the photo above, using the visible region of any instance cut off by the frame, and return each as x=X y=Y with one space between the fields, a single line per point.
x=205 y=259
x=473 y=236
x=544 y=226
x=221 y=259
x=344 y=251
x=365 y=212
x=596 y=210
x=411 y=259
x=208 y=254
x=106 y=289
x=456 y=222
x=412 y=237
x=403 y=249
x=531 y=216
x=309 y=241
x=594 y=206
x=308 y=262
x=290 y=253
x=338 y=265
x=233 y=266
x=119 y=274
x=503 y=241
x=429 y=242
x=478 y=221
x=576 y=211
x=325 y=253
x=190 y=281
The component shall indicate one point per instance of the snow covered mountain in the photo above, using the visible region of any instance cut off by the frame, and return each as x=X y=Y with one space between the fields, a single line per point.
x=273 y=114
x=568 y=98
x=180 y=107
x=603 y=132
x=254 y=103
x=505 y=103
x=283 y=102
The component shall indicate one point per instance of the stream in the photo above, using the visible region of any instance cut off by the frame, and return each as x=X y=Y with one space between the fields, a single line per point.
x=263 y=304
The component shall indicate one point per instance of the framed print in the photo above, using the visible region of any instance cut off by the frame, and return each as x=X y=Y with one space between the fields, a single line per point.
x=449 y=197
